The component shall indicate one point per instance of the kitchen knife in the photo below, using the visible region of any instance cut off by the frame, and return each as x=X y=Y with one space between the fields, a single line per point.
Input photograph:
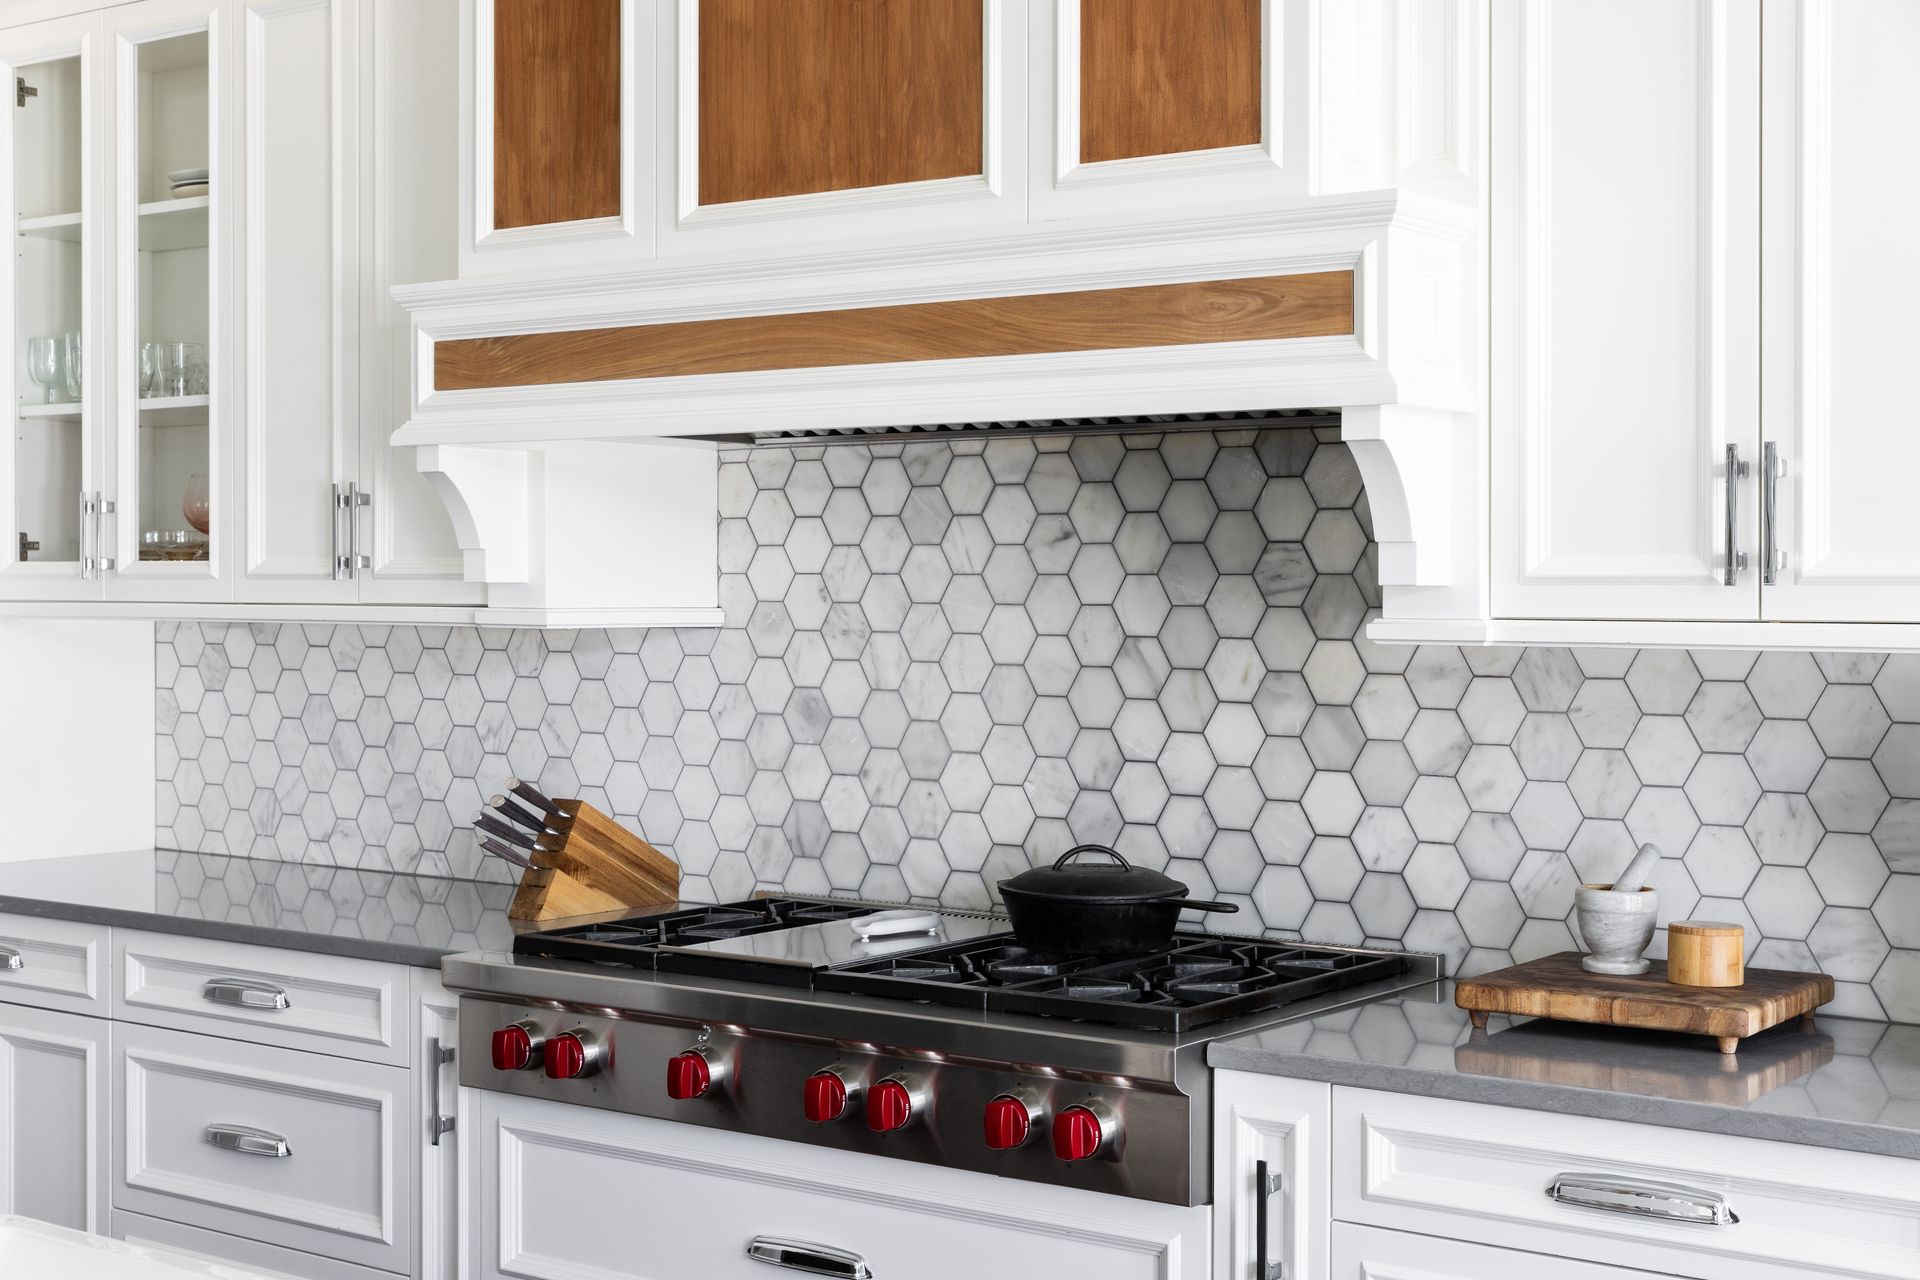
x=484 y=821
x=519 y=813
x=531 y=794
x=499 y=850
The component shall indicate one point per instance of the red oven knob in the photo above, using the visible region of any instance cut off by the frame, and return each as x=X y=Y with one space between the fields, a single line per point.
x=1080 y=1133
x=689 y=1075
x=517 y=1047
x=573 y=1054
x=889 y=1106
x=826 y=1096
x=1008 y=1122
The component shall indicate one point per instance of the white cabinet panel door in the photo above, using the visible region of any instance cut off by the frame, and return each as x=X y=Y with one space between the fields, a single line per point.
x=53 y=1117
x=1366 y=1253
x=1625 y=295
x=1842 y=266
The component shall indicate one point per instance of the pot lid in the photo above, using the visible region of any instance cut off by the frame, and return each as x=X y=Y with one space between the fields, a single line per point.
x=1114 y=880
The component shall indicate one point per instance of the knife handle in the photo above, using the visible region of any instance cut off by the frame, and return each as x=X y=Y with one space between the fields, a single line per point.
x=528 y=792
x=514 y=811
x=484 y=821
x=499 y=850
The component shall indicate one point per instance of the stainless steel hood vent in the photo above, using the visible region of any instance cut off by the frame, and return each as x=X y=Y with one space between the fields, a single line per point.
x=1120 y=424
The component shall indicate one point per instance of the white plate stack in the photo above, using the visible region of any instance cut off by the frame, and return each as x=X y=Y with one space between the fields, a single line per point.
x=188 y=182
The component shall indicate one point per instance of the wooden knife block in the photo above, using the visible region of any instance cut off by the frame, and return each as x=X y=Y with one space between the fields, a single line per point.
x=592 y=865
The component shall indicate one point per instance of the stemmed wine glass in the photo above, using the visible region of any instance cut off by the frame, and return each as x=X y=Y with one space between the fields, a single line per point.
x=71 y=344
x=43 y=363
x=197 y=507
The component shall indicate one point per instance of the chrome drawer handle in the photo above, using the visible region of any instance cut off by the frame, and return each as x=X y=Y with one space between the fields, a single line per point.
x=814 y=1259
x=1667 y=1201
x=245 y=993
x=11 y=959
x=247 y=1141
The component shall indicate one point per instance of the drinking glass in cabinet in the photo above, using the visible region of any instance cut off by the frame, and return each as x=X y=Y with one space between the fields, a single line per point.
x=43 y=364
x=71 y=346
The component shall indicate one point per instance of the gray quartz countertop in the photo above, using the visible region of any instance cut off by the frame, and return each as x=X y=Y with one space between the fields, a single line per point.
x=372 y=915
x=1841 y=1083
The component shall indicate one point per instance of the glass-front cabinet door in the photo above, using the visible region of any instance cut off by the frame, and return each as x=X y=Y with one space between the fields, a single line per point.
x=54 y=477
x=170 y=302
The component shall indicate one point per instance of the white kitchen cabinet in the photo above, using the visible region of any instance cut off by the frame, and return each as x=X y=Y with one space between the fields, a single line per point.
x=1626 y=220
x=556 y=1190
x=437 y=1102
x=1365 y=1253
x=1841 y=266
x=326 y=128
x=1698 y=260
x=53 y=1116
x=1271 y=1171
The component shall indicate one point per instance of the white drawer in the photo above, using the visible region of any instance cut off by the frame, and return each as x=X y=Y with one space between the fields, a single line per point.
x=264 y=1258
x=1366 y=1253
x=1465 y=1170
x=296 y=999
x=565 y=1193
x=62 y=965
x=344 y=1187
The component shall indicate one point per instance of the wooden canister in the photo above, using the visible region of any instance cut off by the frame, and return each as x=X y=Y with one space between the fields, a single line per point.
x=1706 y=953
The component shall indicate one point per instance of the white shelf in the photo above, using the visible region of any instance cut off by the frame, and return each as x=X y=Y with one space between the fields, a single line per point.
x=166 y=225
x=66 y=411
x=175 y=411
x=54 y=226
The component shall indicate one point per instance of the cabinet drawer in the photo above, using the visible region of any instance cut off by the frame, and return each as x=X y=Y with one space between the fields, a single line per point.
x=1367 y=1253
x=266 y=1259
x=295 y=999
x=567 y=1192
x=1467 y=1170
x=330 y=1164
x=61 y=965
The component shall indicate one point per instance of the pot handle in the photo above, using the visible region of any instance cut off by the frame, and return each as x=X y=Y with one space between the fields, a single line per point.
x=1201 y=904
x=1079 y=849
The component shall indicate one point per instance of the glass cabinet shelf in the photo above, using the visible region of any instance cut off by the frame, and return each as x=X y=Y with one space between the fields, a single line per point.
x=175 y=411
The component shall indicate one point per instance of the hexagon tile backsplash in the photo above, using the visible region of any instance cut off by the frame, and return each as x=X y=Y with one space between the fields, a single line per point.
x=943 y=660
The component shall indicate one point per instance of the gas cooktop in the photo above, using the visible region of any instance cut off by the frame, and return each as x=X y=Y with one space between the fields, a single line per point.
x=974 y=962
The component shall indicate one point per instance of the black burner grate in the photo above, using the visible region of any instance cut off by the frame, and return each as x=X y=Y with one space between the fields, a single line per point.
x=1198 y=980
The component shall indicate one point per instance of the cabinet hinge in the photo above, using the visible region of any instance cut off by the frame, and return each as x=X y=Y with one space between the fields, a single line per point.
x=22 y=91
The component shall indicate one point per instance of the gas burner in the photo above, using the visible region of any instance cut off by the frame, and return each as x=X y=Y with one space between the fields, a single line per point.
x=1199 y=979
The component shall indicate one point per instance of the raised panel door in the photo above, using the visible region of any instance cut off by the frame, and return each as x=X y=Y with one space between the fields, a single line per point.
x=53 y=1117
x=1625 y=295
x=1842 y=266
x=1367 y=1253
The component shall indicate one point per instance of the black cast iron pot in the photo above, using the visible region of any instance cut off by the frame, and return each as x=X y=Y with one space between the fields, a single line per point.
x=1102 y=909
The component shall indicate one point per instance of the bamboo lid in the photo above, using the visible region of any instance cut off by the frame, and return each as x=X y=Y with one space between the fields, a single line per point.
x=1706 y=928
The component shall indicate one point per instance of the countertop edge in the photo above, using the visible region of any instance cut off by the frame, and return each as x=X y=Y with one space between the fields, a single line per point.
x=413 y=955
x=1704 y=1117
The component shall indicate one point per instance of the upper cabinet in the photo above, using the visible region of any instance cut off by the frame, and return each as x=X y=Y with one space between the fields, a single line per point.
x=1699 y=430
x=205 y=364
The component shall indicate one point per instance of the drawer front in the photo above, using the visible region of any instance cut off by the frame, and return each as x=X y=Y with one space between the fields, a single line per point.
x=300 y=1150
x=266 y=1259
x=564 y=1193
x=53 y=964
x=1467 y=1170
x=1367 y=1253
x=264 y=995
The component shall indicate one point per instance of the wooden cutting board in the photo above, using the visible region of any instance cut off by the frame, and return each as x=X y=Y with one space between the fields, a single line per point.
x=1557 y=987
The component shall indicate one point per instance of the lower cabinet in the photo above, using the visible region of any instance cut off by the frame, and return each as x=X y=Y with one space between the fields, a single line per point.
x=53 y=1117
x=1367 y=1253
x=1388 y=1186
x=558 y=1192
x=254 y=1255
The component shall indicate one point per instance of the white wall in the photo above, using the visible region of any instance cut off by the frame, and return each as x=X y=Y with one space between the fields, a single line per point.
x=76 y=737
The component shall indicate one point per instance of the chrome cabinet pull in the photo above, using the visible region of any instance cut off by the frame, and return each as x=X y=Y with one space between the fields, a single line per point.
x=247 y=1140
x=102 y=507
x=814 y=1259
x=356 y=499
x=245 y=993
x=438 y=1125
x=1773 y=468
x=1265 y=1187
x=1667 y=1201
x=86 y=536
x=1736 y=472
x=339 y=561
x=10 y=959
